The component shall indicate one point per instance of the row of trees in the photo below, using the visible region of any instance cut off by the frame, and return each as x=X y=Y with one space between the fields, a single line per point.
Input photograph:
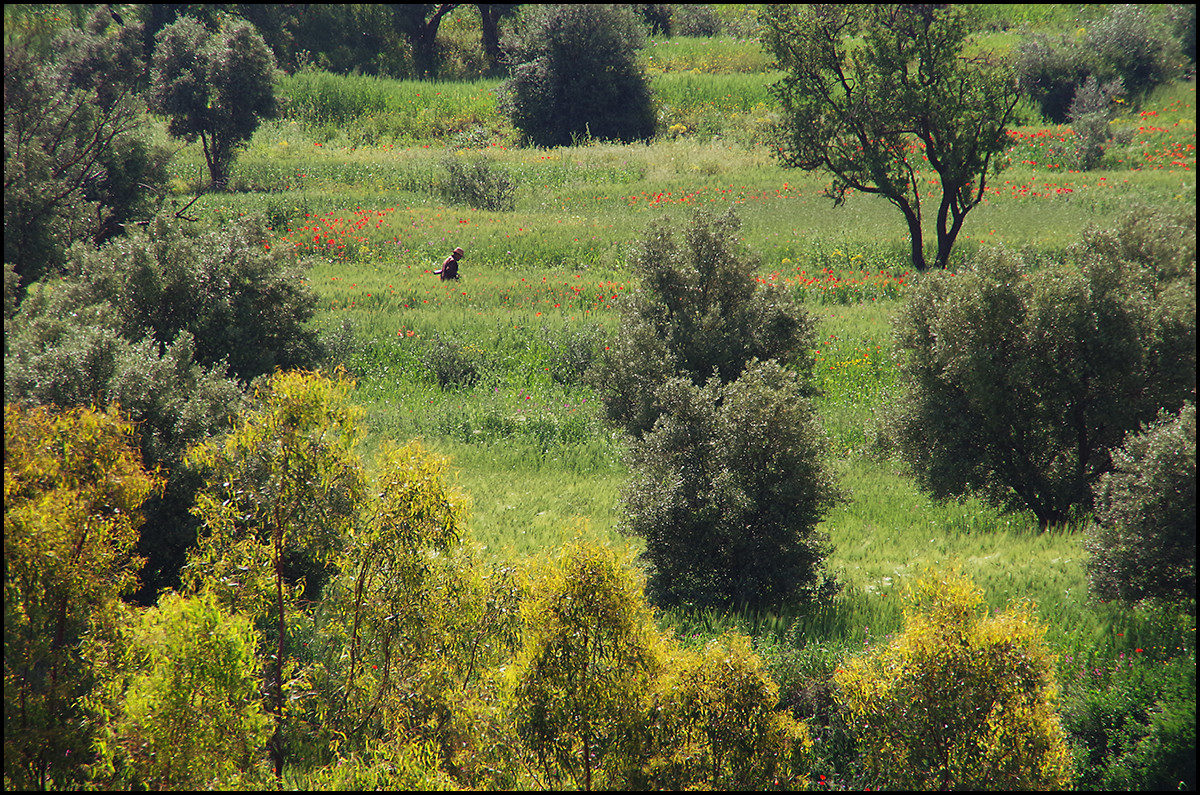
x=331 y=617
x=333 y=631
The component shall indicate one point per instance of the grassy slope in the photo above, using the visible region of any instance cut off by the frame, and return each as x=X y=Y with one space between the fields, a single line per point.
x=546 y=268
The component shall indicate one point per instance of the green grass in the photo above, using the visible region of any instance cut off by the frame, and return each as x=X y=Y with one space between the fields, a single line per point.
x=351 y=182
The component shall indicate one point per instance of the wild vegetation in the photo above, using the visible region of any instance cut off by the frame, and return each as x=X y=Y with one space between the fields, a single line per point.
x=386 y=519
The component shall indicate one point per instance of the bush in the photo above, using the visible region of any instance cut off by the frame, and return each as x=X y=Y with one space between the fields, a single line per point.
x=575 y=75
x=76 y=165
x=1091 y=112
x=1049 y=71
x=727 y=491
x=242 y=303
x=694 y=19
x=1017 y=383
x=698 y=311
x=719 y=726
x=958 y=699
x=1143 y=538
x=1133 y=45
x=1132 y=722
x=477 y=184
x=1129 y=44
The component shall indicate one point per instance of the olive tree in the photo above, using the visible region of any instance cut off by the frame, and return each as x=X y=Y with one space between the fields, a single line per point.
x=697 y=311
x=1017 y=383
x=877 y=94
x=213 y=86
x=1143 y=537
x=727 y=491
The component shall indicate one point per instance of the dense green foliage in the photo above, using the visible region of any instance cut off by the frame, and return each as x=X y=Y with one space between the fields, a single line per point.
x=1018 y=382
x=215 y=86
x=1131 y=721
x=862 y=113
x=697 y=313
x=241 y=303
x=77 y=165
x=1143 y=541
x=168 y=323
x=182 y=708
x=1128 y=46
x=727 y=490
x=575 y=75
x=283 y=487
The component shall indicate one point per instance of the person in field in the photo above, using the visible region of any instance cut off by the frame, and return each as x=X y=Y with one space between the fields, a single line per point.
x=449 y=269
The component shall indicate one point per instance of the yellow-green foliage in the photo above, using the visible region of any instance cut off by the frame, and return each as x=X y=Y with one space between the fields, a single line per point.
x=603 y=699
x=185 y=710
x=73 y=485
x=284 y=486
x=718 y=726
x=285 y=479
x=958 y=699
x=589 y=657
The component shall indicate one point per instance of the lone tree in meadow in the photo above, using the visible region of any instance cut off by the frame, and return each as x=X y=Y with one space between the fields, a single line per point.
x=215 y=86
x=878 y=94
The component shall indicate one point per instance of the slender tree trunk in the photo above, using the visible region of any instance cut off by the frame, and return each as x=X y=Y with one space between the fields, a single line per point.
x=915 y=235
x=490 y=15
x=277 y=740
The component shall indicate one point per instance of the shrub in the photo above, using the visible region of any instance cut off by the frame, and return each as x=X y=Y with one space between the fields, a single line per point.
x=1049 y=71
x=76 y=165
x=476 y=183
x=1017 y=383
x=698 y=311
x=574 y=75
x=720 y=727
x=1143 y=538
x=453 y=364
x=242 y=302
x=1132 y=722
x=1091 y=112
x=183 y=708
x=727 y=491
x=958 y=699
x=694 y=19
x=1135 y=46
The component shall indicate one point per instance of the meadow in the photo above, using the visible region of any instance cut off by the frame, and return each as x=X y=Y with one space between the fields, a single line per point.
x=490 y=370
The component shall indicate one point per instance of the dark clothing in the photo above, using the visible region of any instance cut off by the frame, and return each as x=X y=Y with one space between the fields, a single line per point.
x=449 y=269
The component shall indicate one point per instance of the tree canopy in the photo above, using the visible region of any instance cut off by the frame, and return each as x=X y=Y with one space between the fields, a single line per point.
x=213 y=86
